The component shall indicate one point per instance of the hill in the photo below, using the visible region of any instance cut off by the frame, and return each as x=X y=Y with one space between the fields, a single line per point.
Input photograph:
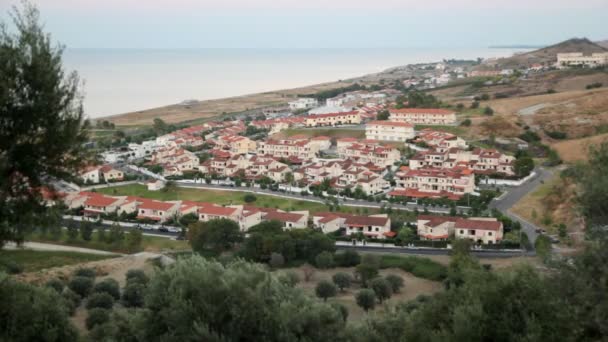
x=603 y=43
x=546 y=55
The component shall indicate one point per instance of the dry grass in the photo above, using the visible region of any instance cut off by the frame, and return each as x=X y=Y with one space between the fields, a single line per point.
x=413 y=287
x=576 y=150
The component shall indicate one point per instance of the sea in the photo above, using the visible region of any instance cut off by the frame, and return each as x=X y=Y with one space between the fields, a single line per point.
x=117 y=81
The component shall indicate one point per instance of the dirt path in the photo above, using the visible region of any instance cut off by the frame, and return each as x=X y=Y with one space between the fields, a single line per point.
x=37 y=246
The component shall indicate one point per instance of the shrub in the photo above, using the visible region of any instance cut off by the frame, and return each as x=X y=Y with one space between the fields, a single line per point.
x=249 y=198
x=325 y=289
x=276 y=260
x=97 y=316
x=382 y=288
x=466 y=122
x=133 y=295
x=342 y=309
x=485 y=97
x=366 y=299
x=11 y=267
x=488 y=111
x=72 y=300
x=557 y=134
x=100 y=300
x=475 y=105
x=324 y=260
x=55 y=284
x=395 y=281
x=420 y=267
x=85 y=272
x=347 y=258
x=290 y=278
x=109 y=286
x=342 y=280
x=137 y=276
x=594 y=85
x=81 y=285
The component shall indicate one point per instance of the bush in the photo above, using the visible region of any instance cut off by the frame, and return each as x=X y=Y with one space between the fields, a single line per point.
x=72 y=300
x=420 y=267
x=137 y=276
x=594 y=85
x=55 y=284
x=81 y=285
x=249 y=198
x=342 y=280
x=475 y=105
x=97 y=316
x=382 y=288
x=324 y=260
x=85 y=272
x=133 y=295
x=290 y=278
x=557 y=135
x=488 y=111
x=100 y=300
x=276 y=260
x=395 y=281
x=11 y=267
x=109 y=286
x=366 y=299
x=325 y=289
x=347 y=258
x=466 y=123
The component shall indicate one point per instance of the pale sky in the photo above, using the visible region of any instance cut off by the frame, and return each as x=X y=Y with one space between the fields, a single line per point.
x=318 y=23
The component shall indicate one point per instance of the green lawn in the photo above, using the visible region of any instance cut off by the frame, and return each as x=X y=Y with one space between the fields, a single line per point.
x=217 y=196
x=38 y=260
x=329 y=132
x=150 y=243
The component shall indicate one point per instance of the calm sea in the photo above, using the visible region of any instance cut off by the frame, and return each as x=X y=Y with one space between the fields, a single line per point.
x=119 y=81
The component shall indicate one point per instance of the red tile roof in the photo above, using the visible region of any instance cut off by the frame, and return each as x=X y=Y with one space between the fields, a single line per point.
x=217 y=210
x=155 y=205
x=478 y=224
x=366 y=221
x=100 y=201
x=390 y=123
x=430 y=111
x=283 y=217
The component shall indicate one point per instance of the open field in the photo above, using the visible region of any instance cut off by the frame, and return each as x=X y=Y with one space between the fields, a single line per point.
x=149 y=244
x=576 y=150
x=33 y=261
x=213 y=108
x=414 y=286
x=218 y=197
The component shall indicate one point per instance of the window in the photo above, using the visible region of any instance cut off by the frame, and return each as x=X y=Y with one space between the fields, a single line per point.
x=461 y=231
x=489 y=233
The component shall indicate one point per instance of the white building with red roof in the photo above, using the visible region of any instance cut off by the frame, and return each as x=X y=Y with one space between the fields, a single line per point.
x=148 y=209
x=368 y=151
x=435 y=183
x=389 y=130
x=333 y=119
x=433 y=138
x=480 y=160
x=376 y=226
x=286 y=148
x=482 y=230
x=423 y=116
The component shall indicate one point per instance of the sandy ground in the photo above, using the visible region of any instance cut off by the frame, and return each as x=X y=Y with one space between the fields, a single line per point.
x=576 y=149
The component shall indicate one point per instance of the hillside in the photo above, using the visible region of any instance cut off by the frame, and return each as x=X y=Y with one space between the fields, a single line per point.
x=603 y=43
x=546 y=55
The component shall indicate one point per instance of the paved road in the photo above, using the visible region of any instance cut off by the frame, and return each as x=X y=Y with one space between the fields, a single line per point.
x=309 y=198
x=434 y=251
x=507 y=201
x=37 y=246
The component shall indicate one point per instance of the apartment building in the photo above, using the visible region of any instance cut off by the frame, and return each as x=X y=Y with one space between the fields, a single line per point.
x=423 y=116
x=157 y=211
x=579 y=59
x=287 y=148
x=235 y=144
x=481 y=161
x=444 y=140
x=175 y=160
x=333 y=119
x=360 y=176
x=389 y=130
x=481 y=230
x=367 y=151
x=436 y=183
x=303 y=103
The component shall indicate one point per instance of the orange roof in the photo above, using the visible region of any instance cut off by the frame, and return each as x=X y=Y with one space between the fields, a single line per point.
x=217 y=210
x=390 y=123
x=155 y=205
x=283 y=217
x=478 y=224
x=100 y=201
x=430 y=111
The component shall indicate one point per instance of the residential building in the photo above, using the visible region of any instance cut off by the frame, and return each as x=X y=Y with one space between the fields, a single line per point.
x=303 y=103
x=433 y=138
x=389 y=130
x=450 y=183
x=286 y=148
x=423 y=116
x=235 y=144
x=367 y=151
x=579 y=59
x=110 y=174
x=156 y=210
x=375 y=226
x=481 y=161
x=481 y=230
x=333 y=119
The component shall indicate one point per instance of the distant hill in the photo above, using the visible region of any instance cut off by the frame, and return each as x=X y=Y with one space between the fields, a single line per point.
x=603 y=43
x=546 y=55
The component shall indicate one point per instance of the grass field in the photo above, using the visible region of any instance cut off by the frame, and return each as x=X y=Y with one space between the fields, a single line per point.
x=576 y=149
x=37 y=260
x=149 y=244
x=329 y=132
x=217 y=196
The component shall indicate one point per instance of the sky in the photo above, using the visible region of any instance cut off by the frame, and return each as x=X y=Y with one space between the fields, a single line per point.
x=318 y=23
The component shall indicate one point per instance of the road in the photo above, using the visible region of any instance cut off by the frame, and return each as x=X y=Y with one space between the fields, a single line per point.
x=434 y=251
x=37 y=246
x=508 y=200
x=310 y=198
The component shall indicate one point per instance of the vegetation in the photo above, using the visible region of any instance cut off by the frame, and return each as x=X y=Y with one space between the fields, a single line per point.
x=40 y=136
x=218 y=235
x=29 y=260
x=342 y=280
x=593 y=184
x=96 y=317
x=109 y=286
x=100 y=300
x=81 y=285
x=325 y=289
x=366 y=299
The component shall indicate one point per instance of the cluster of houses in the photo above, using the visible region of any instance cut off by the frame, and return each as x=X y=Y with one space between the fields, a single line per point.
x=570 y=59
x=479 y=230
x=95 y=174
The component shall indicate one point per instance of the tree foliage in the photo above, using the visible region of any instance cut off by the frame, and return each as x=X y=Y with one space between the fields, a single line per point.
x=342 y=280
x=42 y=130
x=593 y=183
x=218 y=234
x=366 y=299
x=325 y=289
